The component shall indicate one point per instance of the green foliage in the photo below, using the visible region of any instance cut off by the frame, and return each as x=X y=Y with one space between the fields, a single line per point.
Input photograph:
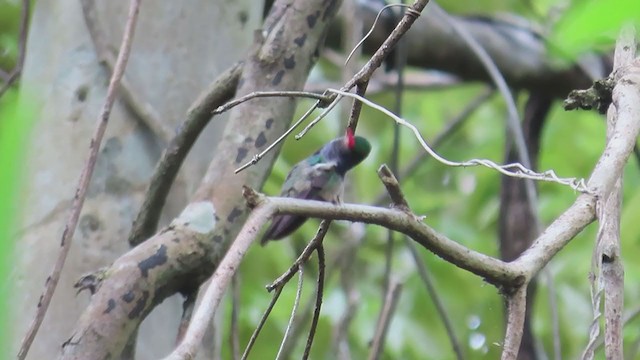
x=9 y=30
x=592 y=24
x=15 y=122
x=461 y=203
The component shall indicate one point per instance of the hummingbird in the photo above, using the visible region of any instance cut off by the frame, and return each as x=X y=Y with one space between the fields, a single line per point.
x=318 y=177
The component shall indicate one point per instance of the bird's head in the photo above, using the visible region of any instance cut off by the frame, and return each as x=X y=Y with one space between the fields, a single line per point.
x=349 y=151
x=356 y=144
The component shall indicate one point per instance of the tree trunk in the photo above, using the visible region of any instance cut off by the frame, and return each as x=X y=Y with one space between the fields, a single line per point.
x=178 y=49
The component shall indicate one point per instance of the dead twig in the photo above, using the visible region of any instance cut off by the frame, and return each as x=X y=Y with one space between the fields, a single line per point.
x=188 y=305
x=399 y=201
x=514 y=169
x=296 y=303
x=363 y=76
x=386 y=314
x=437 y=302
x=263 y=320
x=303 y=258
x=608 y=248
x=259 y=156
x=361 y=89
x=410 y=16
x=85 y=177
x=318 y=304
x=323 y=99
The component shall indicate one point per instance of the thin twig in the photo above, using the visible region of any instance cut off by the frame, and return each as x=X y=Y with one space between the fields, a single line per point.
x=594 y=327
x=188 y=305
x=608 y=246
x=318 y=305
x=132 y=98
x=278 y=284
x=367 y=70
x=365 y=73
x=313 y=122
x=344 y=264
x=356 y=108
x=449 y=129
x=629 y=316
x=303 y=258
x=353 y=27
x=259 y=156
x=410 y=16
x=514 y=170
x=373 y=26
x=513 y=120
x=198 y=116
x=400 y=61
x=85 y=177
x=263 y=320
x=322 y=99
x=386 y=314
x=296 y=302
x=437 y=302
x=399 y=201
x=300 y=322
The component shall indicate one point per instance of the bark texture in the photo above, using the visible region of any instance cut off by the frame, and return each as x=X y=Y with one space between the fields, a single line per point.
x=174 y=57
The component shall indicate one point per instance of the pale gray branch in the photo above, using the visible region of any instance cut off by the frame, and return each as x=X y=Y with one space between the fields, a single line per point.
x=608 y=246
x=218 y=283
x=516 y=307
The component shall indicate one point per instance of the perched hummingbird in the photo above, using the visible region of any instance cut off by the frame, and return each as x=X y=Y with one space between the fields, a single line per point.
x=318 y=177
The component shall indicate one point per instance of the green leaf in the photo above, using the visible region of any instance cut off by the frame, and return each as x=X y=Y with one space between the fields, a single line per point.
x=591 y=25
x=15 y=122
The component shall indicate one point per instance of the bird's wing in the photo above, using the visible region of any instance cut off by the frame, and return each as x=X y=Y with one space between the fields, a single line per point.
x=317 y=182
x=303 y=182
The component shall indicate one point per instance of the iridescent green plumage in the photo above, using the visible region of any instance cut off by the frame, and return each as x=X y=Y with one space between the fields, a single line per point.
x=318 y=177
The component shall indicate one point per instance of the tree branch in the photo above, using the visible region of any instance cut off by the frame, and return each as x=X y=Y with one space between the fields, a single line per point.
x=386 y=314
x=83 y=181
x=220 y=279
x=607 y=170
x=492 y=270
x=165 y=172
x=184 y=254
x=518 y=49
x=608 y=245
x=516 y=308
x=318 y=302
